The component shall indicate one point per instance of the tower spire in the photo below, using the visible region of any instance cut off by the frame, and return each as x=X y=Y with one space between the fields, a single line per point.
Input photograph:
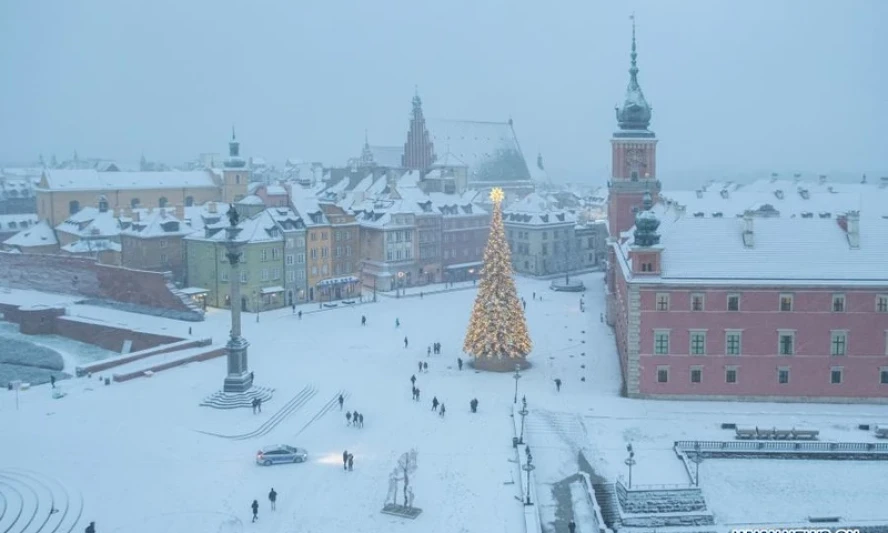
x=636 y=112
x=234 y=136
x=633 y=70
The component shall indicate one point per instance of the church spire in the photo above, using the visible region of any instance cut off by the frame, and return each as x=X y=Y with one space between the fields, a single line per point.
x=419 y=152
x=636 y=112
x=234 y=159
x=367 y=153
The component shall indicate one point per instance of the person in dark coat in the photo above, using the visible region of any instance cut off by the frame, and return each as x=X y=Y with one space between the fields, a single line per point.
x=272 y=497
x=442 y=411
x=474 y=405
x=345 y=460
x=417 y=394
x=425 y=367
x=91 y=528
x=363 y=320
x=300 y=314
x=259 y=404
x=459 y=362
x=419 y=364
x=397 y=322
x=572 y=527
x=341 y=401
x=429 y=351
x=254 y=405
x=434 y=403
x=557 y=384
x=348 y=418
x=351 y=462
x=405 y=342
x=413 y=379
x=355 y=418
x=360 y=420
x=52 y=381
x=255 y=508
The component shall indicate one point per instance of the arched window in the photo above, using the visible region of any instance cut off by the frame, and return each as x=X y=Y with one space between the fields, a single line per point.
x=162 y=202
x=189 y=201
x=73 y=207
x=134 y=203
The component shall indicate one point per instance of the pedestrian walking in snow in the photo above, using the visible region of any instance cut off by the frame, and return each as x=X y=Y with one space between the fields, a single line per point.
x=294 y=308
x=524 y=304
x=534 y=295
x=348 y=418
x=417 y=394
x=345 y=460
x=425 y=368
x=572 y=527
x=253 y=402
x=419 y=364
x=413 y=393
x=601 y=317
x=91 y=528
x=300 y=314
x=272 y=497
x=189 y=330
x=429 y=351
x=341 y=401
x=363 y=320
x=413 y=379
x=473 y=405
x=361 y=420
x=442 y=411
x=459 y=362
x=355 y=418
x=397 y=323
x=259 y=404
x=255 y=508
x=420 y=295
x=434 y=403
x=351 y=462
x=52 y=381
x=557 y=384
x=405 y=342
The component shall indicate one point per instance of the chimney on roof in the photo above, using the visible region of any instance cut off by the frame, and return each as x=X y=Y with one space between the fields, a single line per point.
x=180 y=212
x=853 y=218
x=211 y=207
x=748 y=234
x=822 y=179
x=136 y=216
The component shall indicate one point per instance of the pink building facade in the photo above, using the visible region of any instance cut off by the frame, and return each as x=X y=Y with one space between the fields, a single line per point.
x=773 y=292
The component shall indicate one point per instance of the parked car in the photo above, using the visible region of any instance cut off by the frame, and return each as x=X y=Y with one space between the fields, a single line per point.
x=280 y=453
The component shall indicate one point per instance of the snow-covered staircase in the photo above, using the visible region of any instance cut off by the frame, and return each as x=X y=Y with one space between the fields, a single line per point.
x=606 y=496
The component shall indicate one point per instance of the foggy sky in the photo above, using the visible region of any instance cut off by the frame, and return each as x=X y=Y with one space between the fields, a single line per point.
x=788 y=85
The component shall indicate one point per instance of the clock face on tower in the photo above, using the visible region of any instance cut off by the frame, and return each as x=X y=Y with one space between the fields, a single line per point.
x=635 y=162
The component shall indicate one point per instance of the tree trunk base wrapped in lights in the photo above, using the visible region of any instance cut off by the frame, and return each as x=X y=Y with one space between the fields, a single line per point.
x=497 y=338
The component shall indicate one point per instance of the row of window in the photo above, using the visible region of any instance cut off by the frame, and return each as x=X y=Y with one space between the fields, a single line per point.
x=399 y=236
x=786 y=342
x=471 y=223
x=455 y=254
x=836 y=375
x=784 y=303
x=266 y=274
x=457 y=237
x=342 y=235
x=275 y=254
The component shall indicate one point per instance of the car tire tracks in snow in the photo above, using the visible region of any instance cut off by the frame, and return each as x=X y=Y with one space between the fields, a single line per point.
x=293 y=405
x=324 y=410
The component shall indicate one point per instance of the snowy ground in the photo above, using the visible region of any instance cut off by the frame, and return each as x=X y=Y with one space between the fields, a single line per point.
x=134 y=451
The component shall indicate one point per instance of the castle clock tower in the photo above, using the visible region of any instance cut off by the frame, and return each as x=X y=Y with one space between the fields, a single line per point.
x=634 y=156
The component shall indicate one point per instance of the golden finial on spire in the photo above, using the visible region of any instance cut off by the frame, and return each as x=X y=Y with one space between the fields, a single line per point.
x=496 y=195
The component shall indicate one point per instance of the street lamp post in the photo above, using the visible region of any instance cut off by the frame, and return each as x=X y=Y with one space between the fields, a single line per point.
x=630 y=461
x=517 y=376
x=523 y=412
x=400 y=287
x=528 y=467
x=697 y=459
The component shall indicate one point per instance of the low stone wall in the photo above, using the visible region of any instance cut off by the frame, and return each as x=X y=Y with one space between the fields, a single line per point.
x=660 y=501
x=63 y=274
x=105 y=364
x=109 y=337
x=196 y=358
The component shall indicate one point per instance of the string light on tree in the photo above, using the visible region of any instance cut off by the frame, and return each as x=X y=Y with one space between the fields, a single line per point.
x=497 y=337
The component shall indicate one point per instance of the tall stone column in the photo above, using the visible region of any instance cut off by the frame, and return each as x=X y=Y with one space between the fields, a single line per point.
x=239 y=378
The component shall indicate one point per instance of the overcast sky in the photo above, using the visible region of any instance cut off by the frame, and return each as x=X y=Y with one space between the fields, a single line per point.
x=736 y=86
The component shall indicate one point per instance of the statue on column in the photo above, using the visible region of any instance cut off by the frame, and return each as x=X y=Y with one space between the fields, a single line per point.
x=233 y=216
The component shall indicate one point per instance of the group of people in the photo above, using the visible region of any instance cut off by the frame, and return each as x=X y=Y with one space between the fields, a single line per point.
x=272 y=498
x=434 y=348
x=355 y=419
x=257 y=405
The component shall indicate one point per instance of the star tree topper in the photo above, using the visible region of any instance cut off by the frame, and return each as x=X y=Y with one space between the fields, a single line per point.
x=497 y=195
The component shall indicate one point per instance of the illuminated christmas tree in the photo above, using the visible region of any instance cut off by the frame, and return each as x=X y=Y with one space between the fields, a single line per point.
x=497 y=338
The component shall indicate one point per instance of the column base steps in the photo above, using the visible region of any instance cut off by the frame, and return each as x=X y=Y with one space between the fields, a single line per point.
x=237 y=400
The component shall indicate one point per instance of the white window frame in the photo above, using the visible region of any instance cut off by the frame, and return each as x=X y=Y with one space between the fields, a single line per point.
x=276 y=274
x=291 y=276
x=780 y=334
x=263 y=274
x=702 y=297
x=788 y=375
x=290 y=259
x=696 y=368
x=263 y=254
x=668 y=334
x=662 y=368
x=691 y=334
x=736 y=370
x=787 y=295
x=661 y=297
x=739 y=333
x=841 y=371
x=728 y=302
x=833 y=336
x=836 y=299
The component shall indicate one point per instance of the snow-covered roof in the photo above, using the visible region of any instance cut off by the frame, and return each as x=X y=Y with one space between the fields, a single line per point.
x=276 y=190
x=17 y=222
x=387 y=156
x=490 y=150
x=259 y=228
x=85 y=246
x=40 y=234
x=251 y=200
x=159 y=223
x=286 y=218
x=92 y=180
x=91 y=222
x=787 y=246
x=536 y=210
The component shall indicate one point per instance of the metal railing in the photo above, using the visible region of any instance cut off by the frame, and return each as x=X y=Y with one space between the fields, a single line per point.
x=663 y=486
x=686 y=446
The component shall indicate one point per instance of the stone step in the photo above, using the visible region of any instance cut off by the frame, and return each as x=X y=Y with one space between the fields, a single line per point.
x=238 y=400
x=606 y=497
